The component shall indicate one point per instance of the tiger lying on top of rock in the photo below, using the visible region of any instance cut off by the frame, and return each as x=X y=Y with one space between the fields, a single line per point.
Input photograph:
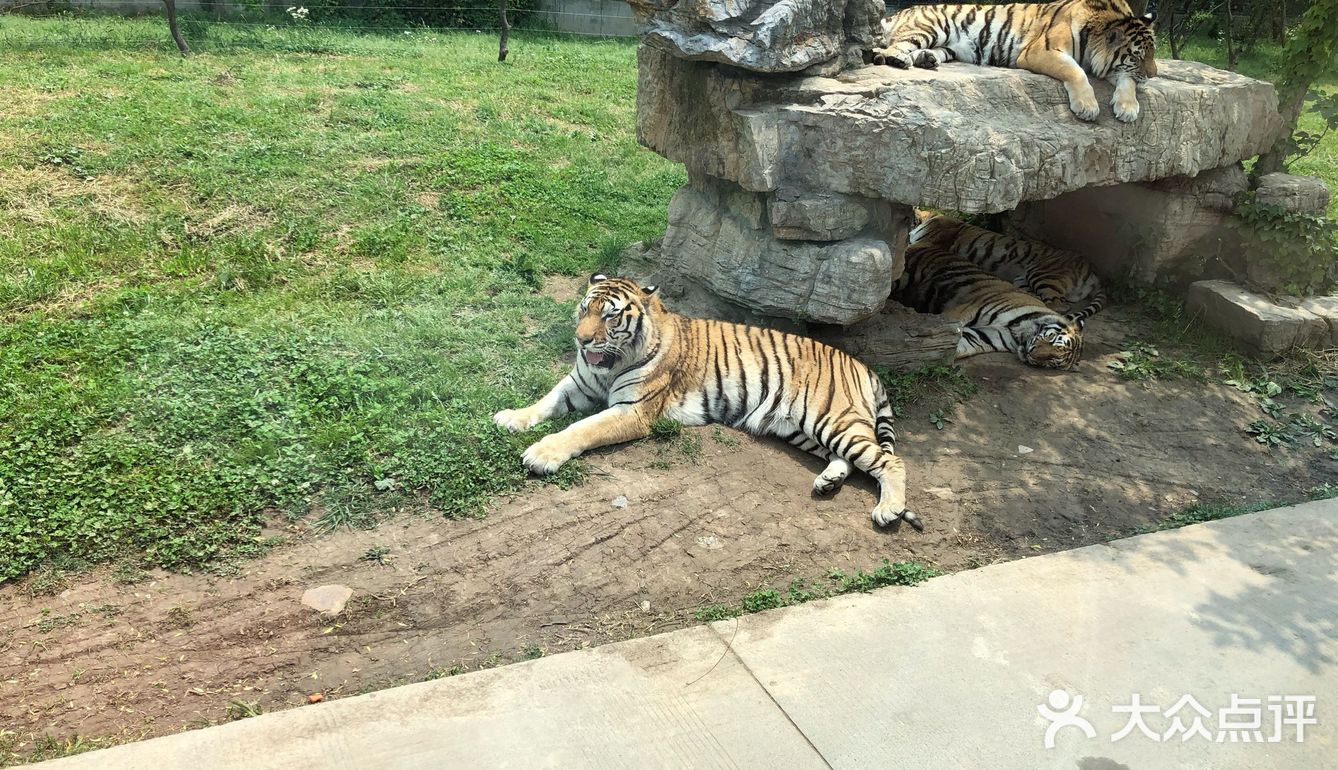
x=1065 y=39
x=638 y=362
x=1057 y=277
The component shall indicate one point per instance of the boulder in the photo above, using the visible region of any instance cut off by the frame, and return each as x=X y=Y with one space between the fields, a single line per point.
x=964 y=138
x=1260 y=326
x=762 y=35
x=1145 y=231
x=721 y=236
x=1297 y=194
x=1325 y=308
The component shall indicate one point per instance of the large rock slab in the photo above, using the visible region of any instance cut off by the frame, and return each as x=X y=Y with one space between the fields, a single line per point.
x=721 y=235
x=761 y=35
x=965 y=138
x=1254 y=322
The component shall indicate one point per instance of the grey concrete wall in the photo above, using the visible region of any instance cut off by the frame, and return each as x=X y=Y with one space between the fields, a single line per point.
x=607 y=18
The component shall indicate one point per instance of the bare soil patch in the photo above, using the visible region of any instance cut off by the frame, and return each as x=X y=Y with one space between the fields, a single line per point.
x=553 y=570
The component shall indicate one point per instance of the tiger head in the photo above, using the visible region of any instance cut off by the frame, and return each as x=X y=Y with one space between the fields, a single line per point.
x=615 y=320
x=1131 y=44
x=1058 y=345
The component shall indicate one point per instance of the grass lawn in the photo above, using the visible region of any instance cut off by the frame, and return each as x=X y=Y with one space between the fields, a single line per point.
x=260 y=281
x=292 y=274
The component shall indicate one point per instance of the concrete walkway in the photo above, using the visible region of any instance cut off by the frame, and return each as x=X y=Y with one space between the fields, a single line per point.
x=947 y=674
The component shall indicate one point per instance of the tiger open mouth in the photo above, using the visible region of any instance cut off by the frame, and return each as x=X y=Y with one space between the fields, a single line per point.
x=600 y=359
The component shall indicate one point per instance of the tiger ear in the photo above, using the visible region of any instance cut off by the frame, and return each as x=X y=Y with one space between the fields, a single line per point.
x=649 y=290
x=1113 y=37
x=597 y=277
x=1150 y=13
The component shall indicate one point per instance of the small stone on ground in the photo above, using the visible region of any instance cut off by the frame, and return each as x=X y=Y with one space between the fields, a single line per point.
x=327 y=599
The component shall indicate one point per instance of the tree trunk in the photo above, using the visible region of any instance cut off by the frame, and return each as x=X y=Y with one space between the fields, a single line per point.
x=1172 y=33
x=176 y=30
x=506 y=32
x=1230 y=42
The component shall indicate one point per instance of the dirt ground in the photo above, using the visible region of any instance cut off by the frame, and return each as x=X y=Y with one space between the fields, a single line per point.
x=552 y=570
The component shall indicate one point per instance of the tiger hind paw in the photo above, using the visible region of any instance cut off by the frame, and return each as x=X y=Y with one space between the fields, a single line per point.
x=891 y=59
x=926 y=60
x=884 y=516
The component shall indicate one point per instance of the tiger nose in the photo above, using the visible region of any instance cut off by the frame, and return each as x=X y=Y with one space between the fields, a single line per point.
x=585 y=339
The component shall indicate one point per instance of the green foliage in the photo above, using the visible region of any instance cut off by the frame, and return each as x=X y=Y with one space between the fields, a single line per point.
x=665 y=429
x=902 y=573
x=1268 y=434
x=1300 y=246
x=1200 y=513
x=713 y=612
x=1140 y=361
x=944 y=385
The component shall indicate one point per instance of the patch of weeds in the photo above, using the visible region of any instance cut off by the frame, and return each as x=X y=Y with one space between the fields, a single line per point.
x=765 y=599
x=377 y=553
x=1200 y=513
x=1269 y=434
x=14 y=751
x=47 y=580
x=942 y=386
x=442 y=673
x=179 y=618
x=938 y=419
x=902 y=573
x=243 y=709
x=107 y=611
x=665 y=429
x=1325 y=491
x=1308 y=429
x=533 y=652
x=719 y=436
x=676 y=445
x=48 y=624
x=127 y=574
x=1142 y=362
x=571 y=474
x=713 y=612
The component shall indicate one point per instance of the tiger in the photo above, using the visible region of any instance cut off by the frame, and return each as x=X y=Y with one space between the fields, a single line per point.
x=1064 y=39
x=1055 y=276
x=638 y=362
x=995 y=315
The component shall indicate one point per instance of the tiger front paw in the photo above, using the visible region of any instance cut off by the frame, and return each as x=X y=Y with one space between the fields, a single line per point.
x=926 y=60
x=891 y=58
x=1084 y=106
x=1125 y=112
x=516 y=420
x=546 y=455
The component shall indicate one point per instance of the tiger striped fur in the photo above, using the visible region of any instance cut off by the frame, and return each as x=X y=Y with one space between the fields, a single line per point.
x=1057 y=277
x=1064 y=39
x=638 y=362
x=995 y=315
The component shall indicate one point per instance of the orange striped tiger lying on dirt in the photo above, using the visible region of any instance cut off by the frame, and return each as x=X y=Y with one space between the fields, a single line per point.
x=1064 y=39
x=638 y=362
